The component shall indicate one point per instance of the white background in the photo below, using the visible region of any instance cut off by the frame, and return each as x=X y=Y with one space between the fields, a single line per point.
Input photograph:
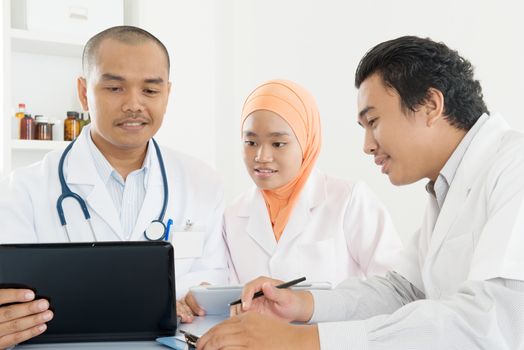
x=222 y=49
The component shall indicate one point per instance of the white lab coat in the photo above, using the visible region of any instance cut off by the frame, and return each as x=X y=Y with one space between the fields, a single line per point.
x=337 y=229
x=28 y=207
x=468 y=261
x=479 y=232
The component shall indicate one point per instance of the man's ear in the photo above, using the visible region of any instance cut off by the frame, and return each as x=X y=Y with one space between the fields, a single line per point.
x=81 y=85
x=168 y=87
x=433 y=106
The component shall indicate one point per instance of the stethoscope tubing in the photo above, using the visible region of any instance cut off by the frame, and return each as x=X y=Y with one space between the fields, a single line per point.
x=67 y=193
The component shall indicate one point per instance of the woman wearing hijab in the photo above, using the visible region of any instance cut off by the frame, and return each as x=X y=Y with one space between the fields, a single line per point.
x=298 y=221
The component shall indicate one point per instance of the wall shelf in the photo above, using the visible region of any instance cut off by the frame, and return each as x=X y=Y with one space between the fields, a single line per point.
x=37 y=145
x=40 y=66
x=47 y=44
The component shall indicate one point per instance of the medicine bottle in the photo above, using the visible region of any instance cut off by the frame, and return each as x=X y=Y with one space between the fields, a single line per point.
x=27 y=128
x=21 y=111
x=44 y=129
x=84 y=120
x=87 y=120
x=71 y=126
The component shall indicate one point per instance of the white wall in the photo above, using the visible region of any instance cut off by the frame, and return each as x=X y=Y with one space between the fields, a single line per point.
x=221 y=49
x=3 y=133
x=187 y=28
x=319 y=44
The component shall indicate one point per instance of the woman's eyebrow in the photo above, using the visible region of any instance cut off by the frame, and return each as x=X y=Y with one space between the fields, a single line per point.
x=279 y=133
x=272 y=134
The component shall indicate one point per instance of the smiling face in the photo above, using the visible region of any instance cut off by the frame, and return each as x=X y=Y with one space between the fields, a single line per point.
x=272 y=153
x=126 y=92
x=407 y=147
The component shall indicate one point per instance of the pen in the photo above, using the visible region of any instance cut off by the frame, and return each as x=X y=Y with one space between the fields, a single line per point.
x=168 y=227
x=191 y=339
x=280 y=286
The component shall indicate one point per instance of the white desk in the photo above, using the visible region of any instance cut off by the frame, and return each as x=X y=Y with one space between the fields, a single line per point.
x=198 y=327
x=135 y=345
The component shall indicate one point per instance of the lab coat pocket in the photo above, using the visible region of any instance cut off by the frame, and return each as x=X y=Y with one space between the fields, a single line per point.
x=188 y=244
x=318 y=260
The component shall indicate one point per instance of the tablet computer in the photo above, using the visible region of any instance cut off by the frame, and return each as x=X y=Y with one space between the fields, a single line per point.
x=215 y=299
x=97 y=291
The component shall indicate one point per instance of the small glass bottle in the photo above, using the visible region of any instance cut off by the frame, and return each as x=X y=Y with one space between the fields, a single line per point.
x=83 y=120
x=71 y=126
x=27 y=128
x=44 y=129
x=87 y=120
x=21 y=111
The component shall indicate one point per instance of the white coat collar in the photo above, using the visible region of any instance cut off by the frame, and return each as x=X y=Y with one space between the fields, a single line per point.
x=153 y=200
x=259 y=224
x=480 y=152
x=79 y=168
x=82 y=176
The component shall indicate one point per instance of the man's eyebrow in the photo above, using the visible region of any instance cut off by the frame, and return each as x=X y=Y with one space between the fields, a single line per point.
x=154 y=81
x=109 y=76
x=364 y=111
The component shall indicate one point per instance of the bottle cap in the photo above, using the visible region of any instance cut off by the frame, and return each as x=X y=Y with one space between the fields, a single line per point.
x=41 y=119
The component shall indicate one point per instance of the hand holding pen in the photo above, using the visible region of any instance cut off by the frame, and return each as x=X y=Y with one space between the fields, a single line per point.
x=280 y=286
x=278 y=300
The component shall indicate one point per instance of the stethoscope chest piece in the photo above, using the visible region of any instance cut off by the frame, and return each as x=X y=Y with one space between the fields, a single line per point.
x=156 y=231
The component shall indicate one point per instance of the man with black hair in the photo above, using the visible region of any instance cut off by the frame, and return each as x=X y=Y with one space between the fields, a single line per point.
x=460 y=284
x=116 y=168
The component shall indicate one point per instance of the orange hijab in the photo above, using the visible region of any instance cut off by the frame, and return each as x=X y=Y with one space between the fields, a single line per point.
x=298 y=108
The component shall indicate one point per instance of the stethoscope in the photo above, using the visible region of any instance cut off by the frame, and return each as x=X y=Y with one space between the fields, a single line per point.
x=156 y=230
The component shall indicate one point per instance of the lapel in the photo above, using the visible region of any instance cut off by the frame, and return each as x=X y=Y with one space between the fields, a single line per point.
x=82 y=176
x=153 y=199
x=482 y=149
x=312 y=195
x=259 y=226
x=427 y=228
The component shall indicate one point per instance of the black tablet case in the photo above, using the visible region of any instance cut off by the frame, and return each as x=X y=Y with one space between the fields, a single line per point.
x=104 y=291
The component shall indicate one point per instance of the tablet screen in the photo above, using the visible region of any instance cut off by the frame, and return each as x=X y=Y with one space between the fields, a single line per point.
x=98 y=291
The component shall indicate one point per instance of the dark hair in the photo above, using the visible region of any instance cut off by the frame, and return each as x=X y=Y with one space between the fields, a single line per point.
x=125 y=34
x=412 y=65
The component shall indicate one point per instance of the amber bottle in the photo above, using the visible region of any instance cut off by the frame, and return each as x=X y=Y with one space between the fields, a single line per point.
x=71 y=126
x=27 y=128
